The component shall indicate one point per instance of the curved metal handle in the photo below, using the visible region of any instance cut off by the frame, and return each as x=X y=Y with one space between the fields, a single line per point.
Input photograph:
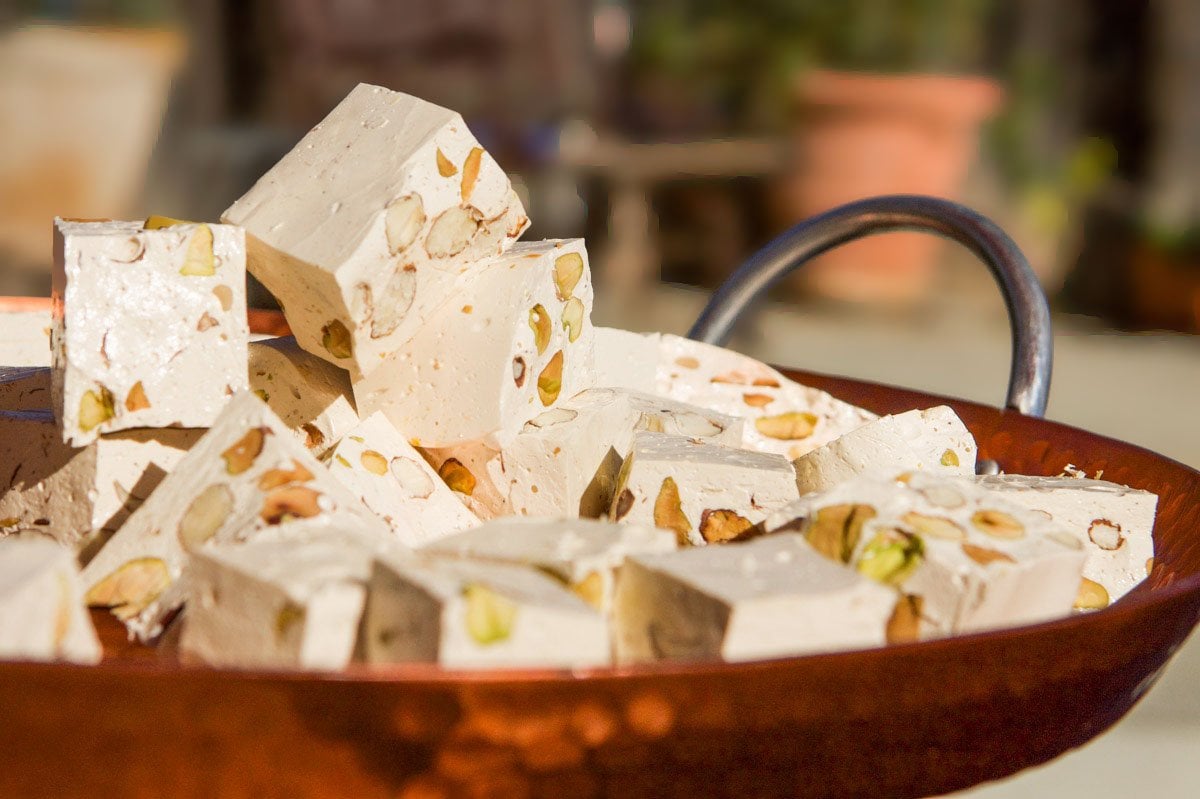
x=1028 y=311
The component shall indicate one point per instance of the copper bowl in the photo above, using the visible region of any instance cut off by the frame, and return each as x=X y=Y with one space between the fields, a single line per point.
x=903 y=721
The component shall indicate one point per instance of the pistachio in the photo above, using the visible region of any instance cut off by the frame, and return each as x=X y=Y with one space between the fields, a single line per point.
x=373 y=462
x=985 y=556
x=335 y=338
x=539 y=323
x=572 y=318
x=788 y=426
x=95 y=408
x=199 y=260
x=934 y=526
x=835 y=530
x=904 y=625
x=274 y=478
x=205 y=516
x=891 y=556
x=668 y=511
x=224 y=296
x=623 y=505
x=131 y=588
x=290 y=502
x=241 y=455
x=568 y=270
x=1091 y=595
x=722 y=525
x=757 y=400
x=402 y=221
x=289 y=617
x=339 y=459
x=470 y=173
x=998 y=524
x=490 y=616
x=413 y=480
x=591 y=590
x=451 y=232
x=136 y=399
x=949 y=458
x=445 y=166
x=1106 y=534
x=549 y=382
x=518 y=366
x=457 y=476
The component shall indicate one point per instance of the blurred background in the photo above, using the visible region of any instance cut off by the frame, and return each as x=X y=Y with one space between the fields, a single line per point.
x=679 y=137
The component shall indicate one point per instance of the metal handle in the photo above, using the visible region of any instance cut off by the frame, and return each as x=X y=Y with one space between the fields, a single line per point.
x=1028 y=311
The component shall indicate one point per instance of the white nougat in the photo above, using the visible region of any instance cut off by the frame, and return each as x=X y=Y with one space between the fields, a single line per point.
x=308 y=394
x=933 y=440
x=966 y=559
x=514 y=339
x=474 y=614
x=380 y=467
x=42 y=615
x=363 y=228
x=78 y=495
x=583 y=553
x=625 y=359
x=149 y=326
x=771 y=597
x=705 y=493
x=1115 y=524
x=245 y=477
x=275 y=604
x=565 y=462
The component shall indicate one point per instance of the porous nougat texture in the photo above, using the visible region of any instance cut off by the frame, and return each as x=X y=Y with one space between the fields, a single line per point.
x=308 y=394
x=381 y=468
x=967 y=559
x=247 y=476
x=1114 y=523
x=42 y=615
x=933 y=440
x=24 y=388
x=583 y=553
x=79 y=495
x=475 y=614
x=565 y=462
x=512 y=341
x=362 y=229
x=705 y=493
x=149 y=326
x=274 y=604
x=771 y=597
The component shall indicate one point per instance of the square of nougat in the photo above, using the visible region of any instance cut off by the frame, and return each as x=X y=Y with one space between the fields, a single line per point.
x=148 y=325
x=361 y=230
x=514 y=340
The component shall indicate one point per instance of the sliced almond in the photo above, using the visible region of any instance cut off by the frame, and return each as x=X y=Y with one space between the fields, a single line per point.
x=136 y=399
x=687 y=362
x=757 y=400
x=765 y=382
x=451 y=232
x=336 y=340
x=549 y=382
x=518 y=367
x=568 y=270
x=470 y=173
x=224 y=296
x=790 y=426
x=241 y=455
x=290 y=502
x=205 y=516
x=131 y=588
x=130 y=250
x=395 y=300
x=551 y=417
x=836 y=529
x=985 y=556
x=722 y=525
x=207 y=322
x=668 y=511
x=445 y=166
x=1091 y=595
x=693 y=425
x=539 y=323
x=997 y=524
x=402 y=222
x=904 y=625
x=572 y=318
x=457 y=476
x=374 y=462
x=1106 y=534
x=934 y=526
x=413 y=480
x=274 y=478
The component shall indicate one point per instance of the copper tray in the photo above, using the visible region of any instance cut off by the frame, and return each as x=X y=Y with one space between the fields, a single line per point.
x=905 y=721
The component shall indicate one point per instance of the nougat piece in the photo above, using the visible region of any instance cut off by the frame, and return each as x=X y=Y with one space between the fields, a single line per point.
x=965 y=559
x=565 y=461
x=149 y=326
x=625 y=359
x=363 y=228
x=79 y=495
x=275 y=604
x=473 y=614
x=933 y=439
x=308 y=394
x=783 y=416
x=475 y=472
x=25 y=338
x=771 y=597
x=705 y=493
x=1114 y=523
x=582 y=553
x=247 y=475
x=379 y=466
x=42 y=614
x=514 y=340
x=24 y=388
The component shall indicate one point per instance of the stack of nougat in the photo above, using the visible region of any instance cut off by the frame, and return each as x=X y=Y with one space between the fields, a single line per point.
x=449 y=463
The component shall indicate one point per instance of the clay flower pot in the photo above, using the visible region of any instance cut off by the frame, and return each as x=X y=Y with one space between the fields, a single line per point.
x=862 y=135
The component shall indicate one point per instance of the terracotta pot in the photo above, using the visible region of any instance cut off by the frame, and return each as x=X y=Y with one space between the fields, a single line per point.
x=862 y=135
